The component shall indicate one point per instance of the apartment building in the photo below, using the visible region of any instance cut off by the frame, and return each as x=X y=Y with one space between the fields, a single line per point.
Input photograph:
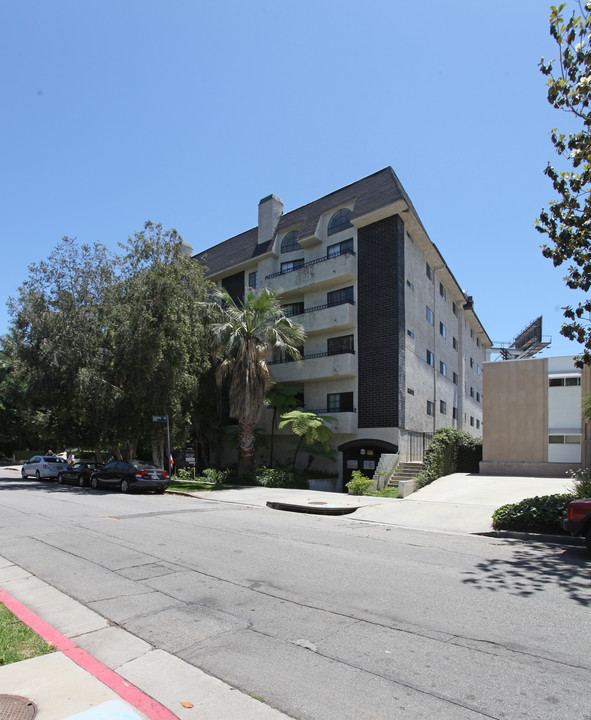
x=394 y=349
x=533 y=414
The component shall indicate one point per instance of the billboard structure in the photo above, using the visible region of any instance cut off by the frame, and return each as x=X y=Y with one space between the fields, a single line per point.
x=528 y=343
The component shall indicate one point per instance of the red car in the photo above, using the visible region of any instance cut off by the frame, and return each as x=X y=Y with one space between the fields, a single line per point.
x=578 y=520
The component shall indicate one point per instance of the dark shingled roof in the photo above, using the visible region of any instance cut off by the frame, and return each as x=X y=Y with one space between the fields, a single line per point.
x=369 y=194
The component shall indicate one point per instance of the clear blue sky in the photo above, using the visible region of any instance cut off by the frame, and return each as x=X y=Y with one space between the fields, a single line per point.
x=188 y=113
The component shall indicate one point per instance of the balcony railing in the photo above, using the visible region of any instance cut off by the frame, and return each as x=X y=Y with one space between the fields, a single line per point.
x=310 y=263
x=321 y=307
x=310 y=357
x=324 y=411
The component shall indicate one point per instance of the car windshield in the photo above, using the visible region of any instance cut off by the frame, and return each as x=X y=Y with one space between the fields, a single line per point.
x=53 y=459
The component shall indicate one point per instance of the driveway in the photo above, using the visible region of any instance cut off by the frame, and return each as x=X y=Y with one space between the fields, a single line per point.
x=461 y=502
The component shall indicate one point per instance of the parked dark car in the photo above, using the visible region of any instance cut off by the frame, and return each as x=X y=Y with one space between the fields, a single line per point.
x=129 y=475
x=578 y=520
x=79 y=473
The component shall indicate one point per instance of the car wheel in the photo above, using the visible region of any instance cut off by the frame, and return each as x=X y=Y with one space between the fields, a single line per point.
x=37 y=475
x=124 y=486
x=94 y=483
x=81 y=481
x=60 y=478
x=23 y=473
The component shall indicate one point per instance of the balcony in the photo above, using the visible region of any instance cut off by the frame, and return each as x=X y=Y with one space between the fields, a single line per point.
x=324 y=272
x=319 y=366
x=341 y=316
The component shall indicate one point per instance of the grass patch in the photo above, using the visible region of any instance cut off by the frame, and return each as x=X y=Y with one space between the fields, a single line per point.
x=196 y=486
x=17 y=640
x=387 y=492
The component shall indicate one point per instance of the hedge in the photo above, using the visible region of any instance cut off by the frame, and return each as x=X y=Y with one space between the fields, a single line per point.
x=450 y=451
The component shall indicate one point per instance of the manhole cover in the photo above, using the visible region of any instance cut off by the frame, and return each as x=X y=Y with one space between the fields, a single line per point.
x=14 y=707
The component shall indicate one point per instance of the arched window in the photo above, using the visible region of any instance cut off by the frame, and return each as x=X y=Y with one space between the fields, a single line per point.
x=340 y=221
x=290 y=242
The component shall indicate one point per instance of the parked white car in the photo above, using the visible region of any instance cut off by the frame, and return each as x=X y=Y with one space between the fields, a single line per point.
x=44 y=466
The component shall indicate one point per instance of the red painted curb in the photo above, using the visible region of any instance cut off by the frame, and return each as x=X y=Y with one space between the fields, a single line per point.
x=126 y=690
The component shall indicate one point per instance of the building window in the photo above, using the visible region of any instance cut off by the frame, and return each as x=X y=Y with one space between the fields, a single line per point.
x=471 y=362
x=339 y=402
x=341 y=248
x=410 y=237
x=341 y=220
x=410 y=391
x=429 y=314
x=454 y=343
x=564 y=439
x=340 y=297
x=443 y=407
x=253 y=280
x=472 y=392
x=478 y=369
x=477 y=342
x=429 y=271
x=443 y=368
x=410 y=334
x=430 y=408
x=478 y=424
x=340 y=345
x=410 y=285
x=572 y=381
x=564 y=381
x=477 y=397
x=454 y=413
x=293 y=309
x=455 y=378
x=442 y=291
x=442 y=330
x=291 y=265
x=471 y=333
x=430 y=358
x=471 y=421
x=290 y=242
x=454 y=308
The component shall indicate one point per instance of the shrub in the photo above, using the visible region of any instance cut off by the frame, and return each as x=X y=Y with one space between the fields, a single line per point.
x=277 y=478
x=450 y=451
x=214 y=476
x=184 y=474
x=541 y=514
x=359 y=483
x=581 y=482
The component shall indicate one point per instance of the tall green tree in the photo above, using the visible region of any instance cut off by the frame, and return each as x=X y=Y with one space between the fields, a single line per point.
x=567 y=221
x=247 y=333
x=313 y=429
x=282 y=398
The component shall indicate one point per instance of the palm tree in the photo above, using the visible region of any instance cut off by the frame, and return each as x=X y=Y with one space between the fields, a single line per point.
x=247 y=333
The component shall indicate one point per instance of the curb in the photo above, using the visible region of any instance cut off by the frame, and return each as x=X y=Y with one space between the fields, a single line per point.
x=535 y=537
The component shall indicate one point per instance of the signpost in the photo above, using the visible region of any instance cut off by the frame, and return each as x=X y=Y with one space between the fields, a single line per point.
x=164 y=419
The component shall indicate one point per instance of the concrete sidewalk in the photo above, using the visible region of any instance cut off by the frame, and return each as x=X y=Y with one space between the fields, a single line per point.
x=104 y=672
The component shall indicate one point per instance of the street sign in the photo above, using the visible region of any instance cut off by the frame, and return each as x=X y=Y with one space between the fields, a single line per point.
x=159 y=418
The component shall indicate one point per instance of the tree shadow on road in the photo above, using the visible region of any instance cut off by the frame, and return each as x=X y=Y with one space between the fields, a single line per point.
x=531 y=570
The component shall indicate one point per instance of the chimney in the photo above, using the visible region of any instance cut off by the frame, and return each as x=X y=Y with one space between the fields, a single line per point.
x=270 y=211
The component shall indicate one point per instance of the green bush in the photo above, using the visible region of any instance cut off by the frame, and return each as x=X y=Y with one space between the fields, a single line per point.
x=359 y=483
x=541 y=514
x=184 y=474
x=214 y=476
x=581 y=482
x=450 y=451
x=278 y=478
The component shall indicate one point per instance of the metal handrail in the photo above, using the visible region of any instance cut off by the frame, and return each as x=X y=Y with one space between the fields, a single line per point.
x=324 y=411
x=309 y=263
x=322 y=307
x=309 y=357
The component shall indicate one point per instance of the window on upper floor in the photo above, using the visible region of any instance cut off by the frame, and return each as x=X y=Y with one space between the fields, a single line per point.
x=291 y=265
x=429 y=271
x=471 y=362
x=564 y=381
x=477 y=342
x=410 y=334
x=290 y=242
x=430 y=358
x=443 y=407
x=339 y=402
x=454 y=308
x=340 y=345
x=443 y=368
x=429 y=314
x=478 y=369
x=340 y=297
x=410 y=285
x=341 y=220
x=442 y=330
x=454 y=413
x=430 y=408
x=455 y=378
x=477 y=396
x=442 y=291
x=471 y=421
x=454 y=343
x=471 y=392
x=478 y=424
x=292 y=309
x=340 y=248
x=410 y=391
x=253 y=280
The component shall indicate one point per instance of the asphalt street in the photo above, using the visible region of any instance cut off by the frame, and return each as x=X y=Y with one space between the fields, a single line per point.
x=320 y=617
